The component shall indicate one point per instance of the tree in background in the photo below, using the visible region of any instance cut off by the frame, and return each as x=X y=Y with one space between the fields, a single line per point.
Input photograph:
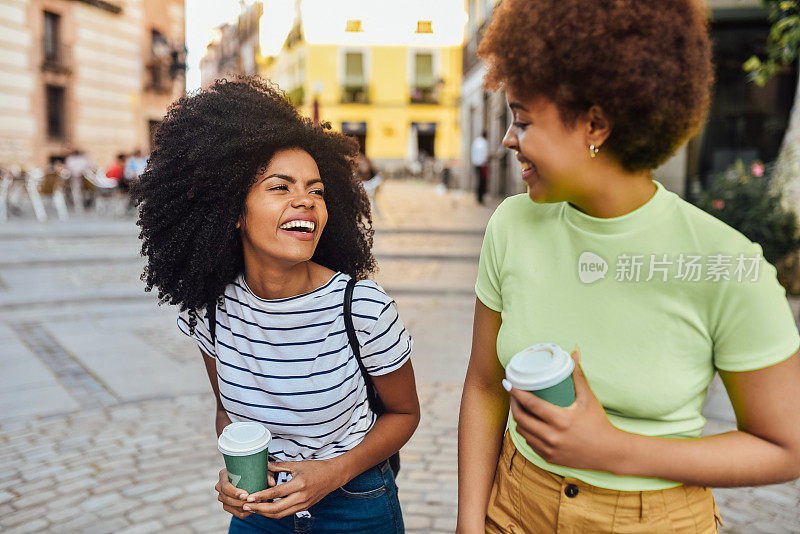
x=762 y=200
x=783 y=46
x=743 y=198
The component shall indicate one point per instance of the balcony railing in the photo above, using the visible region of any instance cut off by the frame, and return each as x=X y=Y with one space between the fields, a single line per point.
x=355 y=94
x=57 y=58
x=424 y=95
x=158 y=77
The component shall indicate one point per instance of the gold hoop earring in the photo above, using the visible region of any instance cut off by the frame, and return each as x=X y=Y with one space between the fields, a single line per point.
x=593 y=150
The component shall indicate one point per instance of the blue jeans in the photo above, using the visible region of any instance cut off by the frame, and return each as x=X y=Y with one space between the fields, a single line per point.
x=367 y=504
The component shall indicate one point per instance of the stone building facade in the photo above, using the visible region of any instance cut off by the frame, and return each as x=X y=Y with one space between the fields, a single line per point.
x=90 y=74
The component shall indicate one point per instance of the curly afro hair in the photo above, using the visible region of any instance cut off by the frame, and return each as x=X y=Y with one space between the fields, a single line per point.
x=646 y=64
x=208 y=151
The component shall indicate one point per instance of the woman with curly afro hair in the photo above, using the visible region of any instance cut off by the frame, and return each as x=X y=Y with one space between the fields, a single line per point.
x=253 y=224
x=651 y=296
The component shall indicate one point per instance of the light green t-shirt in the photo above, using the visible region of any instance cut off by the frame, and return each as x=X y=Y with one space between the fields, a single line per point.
x=657 y=300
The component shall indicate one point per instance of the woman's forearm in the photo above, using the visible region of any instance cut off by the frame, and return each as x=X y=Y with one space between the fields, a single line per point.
x=481 y=423
x=723 y=460
x=390 y=432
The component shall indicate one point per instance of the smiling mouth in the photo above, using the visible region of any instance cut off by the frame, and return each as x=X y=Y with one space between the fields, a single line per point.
x=306 y=227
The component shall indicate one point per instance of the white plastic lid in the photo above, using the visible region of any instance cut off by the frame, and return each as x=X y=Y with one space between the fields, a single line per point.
x=243 y=438
x=539 y=367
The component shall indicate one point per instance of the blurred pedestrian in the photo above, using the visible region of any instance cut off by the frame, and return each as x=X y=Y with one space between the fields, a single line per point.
x=595 y=256
x=479 y=155
x=116 y=170
x=77 y=164
x=134 y=167
x=259 y=233
x=370 y=179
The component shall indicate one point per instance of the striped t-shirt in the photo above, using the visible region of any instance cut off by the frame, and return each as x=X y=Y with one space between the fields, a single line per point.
x=287 y=363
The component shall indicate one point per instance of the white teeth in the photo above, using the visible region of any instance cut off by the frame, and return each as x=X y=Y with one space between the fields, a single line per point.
x=525 y=166
x=298 y=224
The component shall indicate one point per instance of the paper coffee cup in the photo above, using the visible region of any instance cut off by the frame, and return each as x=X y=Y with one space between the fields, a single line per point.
x=546 y=371
x=245 y=447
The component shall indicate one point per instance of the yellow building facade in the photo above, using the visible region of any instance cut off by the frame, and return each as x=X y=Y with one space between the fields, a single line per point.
x=396 y=91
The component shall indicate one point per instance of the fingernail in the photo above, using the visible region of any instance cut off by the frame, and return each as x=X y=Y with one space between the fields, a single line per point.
x=245 y=507
x=251 y=498
x=506 y=385
x=242 y=495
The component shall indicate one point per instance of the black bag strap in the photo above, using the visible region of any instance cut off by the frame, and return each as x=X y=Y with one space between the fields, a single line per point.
x=374 y=400
x=372 y=394
x=211 y=315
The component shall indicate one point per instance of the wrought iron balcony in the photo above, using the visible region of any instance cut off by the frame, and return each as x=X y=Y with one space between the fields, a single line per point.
x=424 y=95
x=355 y=94
x=57 y=58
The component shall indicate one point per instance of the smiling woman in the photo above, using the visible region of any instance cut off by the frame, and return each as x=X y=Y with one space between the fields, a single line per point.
x=284 y=216
x=602 y=92
x=254 y=225
x=210 y=150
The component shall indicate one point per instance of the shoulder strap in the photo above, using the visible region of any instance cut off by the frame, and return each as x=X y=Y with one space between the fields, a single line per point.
x=372 y=394
x=211 y=315
x=348 y=324
x=374 y=400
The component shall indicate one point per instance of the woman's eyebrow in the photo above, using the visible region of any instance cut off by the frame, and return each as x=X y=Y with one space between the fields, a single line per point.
x=293 y=180
x=517 y=106
x=282 y=177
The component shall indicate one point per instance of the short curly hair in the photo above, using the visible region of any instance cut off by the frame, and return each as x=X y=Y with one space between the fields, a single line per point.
x=646 y=64
x=208 y=152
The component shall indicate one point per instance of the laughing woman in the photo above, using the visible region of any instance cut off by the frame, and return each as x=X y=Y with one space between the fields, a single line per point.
x=601 y=93
x=250 y=207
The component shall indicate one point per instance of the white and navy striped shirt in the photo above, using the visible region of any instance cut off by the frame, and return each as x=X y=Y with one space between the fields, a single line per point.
x=287 y=363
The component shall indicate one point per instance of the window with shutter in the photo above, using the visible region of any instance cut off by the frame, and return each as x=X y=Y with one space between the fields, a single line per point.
x=354 y=70
x=424 y=71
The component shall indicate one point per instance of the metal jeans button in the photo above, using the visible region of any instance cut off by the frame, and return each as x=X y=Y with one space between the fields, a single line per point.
x=571 y=490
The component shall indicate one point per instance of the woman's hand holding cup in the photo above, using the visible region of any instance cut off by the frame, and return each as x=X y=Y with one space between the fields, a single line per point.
x=577 y=435
x=231 y=497
x=311 y=480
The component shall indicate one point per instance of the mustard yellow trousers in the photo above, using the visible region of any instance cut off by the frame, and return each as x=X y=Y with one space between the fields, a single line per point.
x=527 y=499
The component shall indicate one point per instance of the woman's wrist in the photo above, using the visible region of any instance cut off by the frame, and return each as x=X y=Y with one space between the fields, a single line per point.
x=471 y=526
x=617 y=453
x=341 y=470
x=222 y=420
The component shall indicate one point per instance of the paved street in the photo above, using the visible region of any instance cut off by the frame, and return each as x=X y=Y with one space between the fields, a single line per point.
x=107 y=419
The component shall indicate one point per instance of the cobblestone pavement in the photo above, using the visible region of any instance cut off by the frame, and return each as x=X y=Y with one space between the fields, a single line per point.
x=93 y=440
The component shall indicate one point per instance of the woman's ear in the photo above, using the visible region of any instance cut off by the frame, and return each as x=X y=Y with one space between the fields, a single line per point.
x=598 y=126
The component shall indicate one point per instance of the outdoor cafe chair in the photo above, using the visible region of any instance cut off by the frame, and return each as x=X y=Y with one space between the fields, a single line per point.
x=104 y=189
x=31 y=181
x=52 y=186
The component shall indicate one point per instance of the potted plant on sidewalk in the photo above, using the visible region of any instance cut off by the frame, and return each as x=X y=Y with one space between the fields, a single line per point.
x=745 y=197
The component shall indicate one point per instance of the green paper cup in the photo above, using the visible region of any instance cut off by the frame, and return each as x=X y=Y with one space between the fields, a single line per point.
x=245 y=447
x=544 y=370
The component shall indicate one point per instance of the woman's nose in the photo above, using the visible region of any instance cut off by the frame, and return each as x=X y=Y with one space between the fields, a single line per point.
x=510 y=139
x=303 y=199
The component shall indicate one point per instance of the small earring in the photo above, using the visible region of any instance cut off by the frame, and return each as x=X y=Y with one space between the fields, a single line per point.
x=593 y=150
